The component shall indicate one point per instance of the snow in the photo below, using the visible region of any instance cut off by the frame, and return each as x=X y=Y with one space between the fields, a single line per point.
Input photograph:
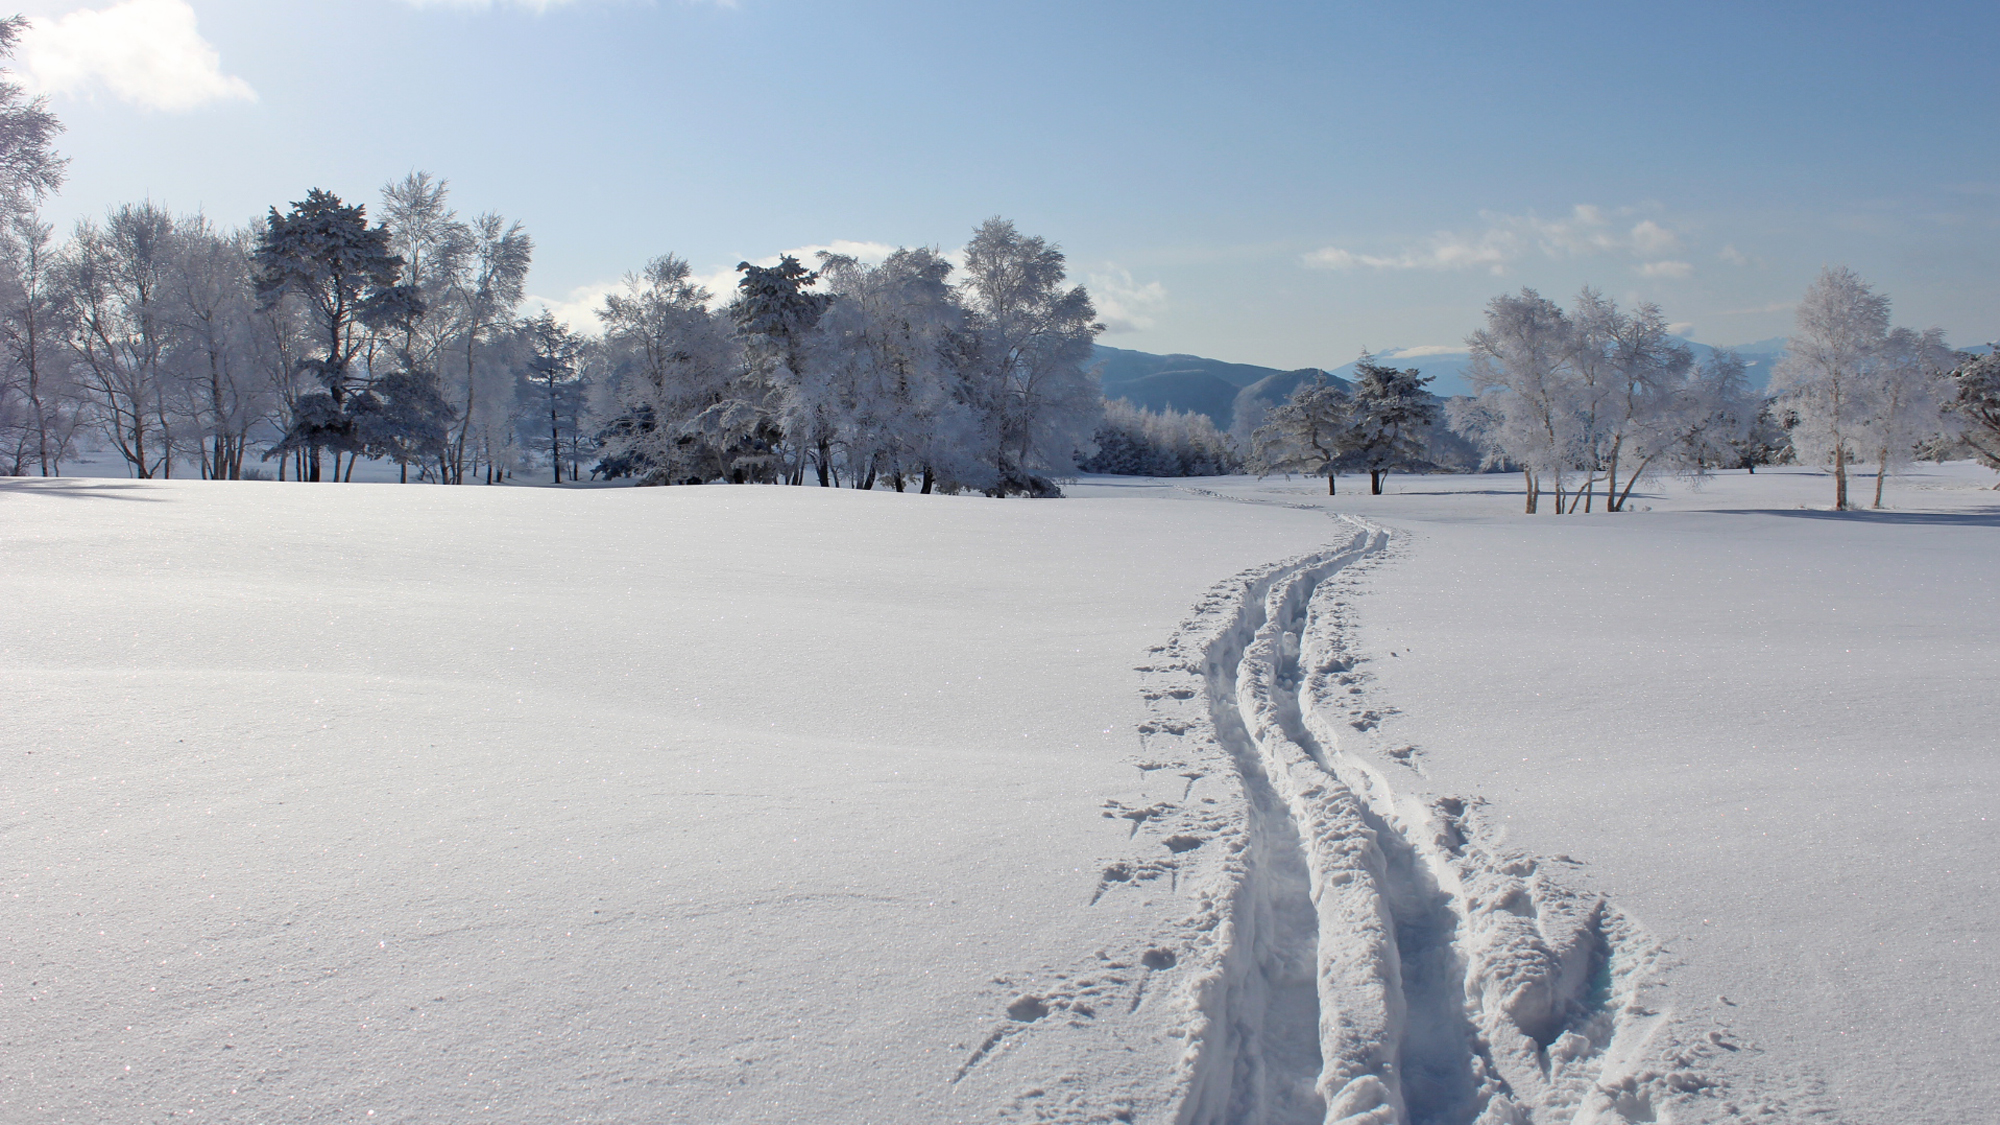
x=771 y=804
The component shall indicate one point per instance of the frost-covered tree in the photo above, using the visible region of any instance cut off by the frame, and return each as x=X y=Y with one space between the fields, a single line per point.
x=1653 y=399
x=1764 y=440
x=1975 y=402
x=29 y=167
x=469 y=276
x=1824 y=379
x=552 y=373
x=1910 y=382
x=1135 y=441
x=1389 y=414
x=884 y=367
x=114 y=277
x=215 y=356
x=1027 y=370
x=1303 y=433
x=1523 y=410
x=1704 y=423
x=402 y=418
x=41 y=406
x=683 y=404
x=775 y=317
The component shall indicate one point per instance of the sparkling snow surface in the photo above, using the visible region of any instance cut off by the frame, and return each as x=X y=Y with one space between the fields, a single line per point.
x=402 y=803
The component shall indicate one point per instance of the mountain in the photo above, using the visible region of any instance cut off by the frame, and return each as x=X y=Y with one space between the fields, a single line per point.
x=1188 y=382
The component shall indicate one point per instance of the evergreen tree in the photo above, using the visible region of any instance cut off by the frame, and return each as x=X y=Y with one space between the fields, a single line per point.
x=1976 y=400
x=1388 y=415
x=324 y=255
x=552 y=371
x=774 y=315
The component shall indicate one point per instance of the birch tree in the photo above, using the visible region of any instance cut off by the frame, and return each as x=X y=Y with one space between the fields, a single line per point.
x=40 y=403
x=1910 y=377
x=1823 y=379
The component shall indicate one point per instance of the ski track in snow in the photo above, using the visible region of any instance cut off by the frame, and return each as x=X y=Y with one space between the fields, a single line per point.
x=1352 y=955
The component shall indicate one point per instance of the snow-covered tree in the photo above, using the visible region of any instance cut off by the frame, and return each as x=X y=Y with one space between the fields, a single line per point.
x=553 y=414
x=683 y=406
x=469 y=277
x=114 y=278
x=1303 y=433
x=1824 y=379
x=1975 y=402
x=775 y=317
x=216 y=384
x=29 y=166
x=41 y=406
x=1764 y=440
x=1523 y=412
x=1027 y=371
x=883 y=364
x=1389 y=413
x=1910 y=382
x=1654 y=399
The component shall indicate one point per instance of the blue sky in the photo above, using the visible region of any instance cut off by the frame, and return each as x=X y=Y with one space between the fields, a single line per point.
x=1260 y=182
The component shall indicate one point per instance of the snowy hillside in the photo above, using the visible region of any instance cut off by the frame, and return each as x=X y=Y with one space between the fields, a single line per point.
x=1203 y=804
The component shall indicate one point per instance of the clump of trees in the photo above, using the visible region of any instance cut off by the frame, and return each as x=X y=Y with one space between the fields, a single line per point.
x=1135 y=441
x=851 y=374
x=1382 y=423
x=1858 y=390
x=1597 y=396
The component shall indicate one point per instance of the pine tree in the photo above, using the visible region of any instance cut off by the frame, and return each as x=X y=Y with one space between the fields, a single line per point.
x=1977 y=402
x=554 y=357
x=324 y=255
x=1303 y=433
x=1388 y=415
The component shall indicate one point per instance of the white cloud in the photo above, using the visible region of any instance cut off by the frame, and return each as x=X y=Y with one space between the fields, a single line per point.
x=1665 y=269
x=1123 y=304
x=146 y=52
x=579 y=308
x=1586 y=231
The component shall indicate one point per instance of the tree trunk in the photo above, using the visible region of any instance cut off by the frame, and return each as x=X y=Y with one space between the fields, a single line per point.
x=930 y=478
x=1840 y=478
x=1529 y=488
x=1329 y=483
x=1375 y=478
x=1881 y=470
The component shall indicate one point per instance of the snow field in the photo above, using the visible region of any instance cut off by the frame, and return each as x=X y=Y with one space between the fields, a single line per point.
x=537 y=805
x=779 y=804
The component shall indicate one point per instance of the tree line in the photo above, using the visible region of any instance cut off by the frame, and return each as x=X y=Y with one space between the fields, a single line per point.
x=1596 y=397
x=332 y=340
